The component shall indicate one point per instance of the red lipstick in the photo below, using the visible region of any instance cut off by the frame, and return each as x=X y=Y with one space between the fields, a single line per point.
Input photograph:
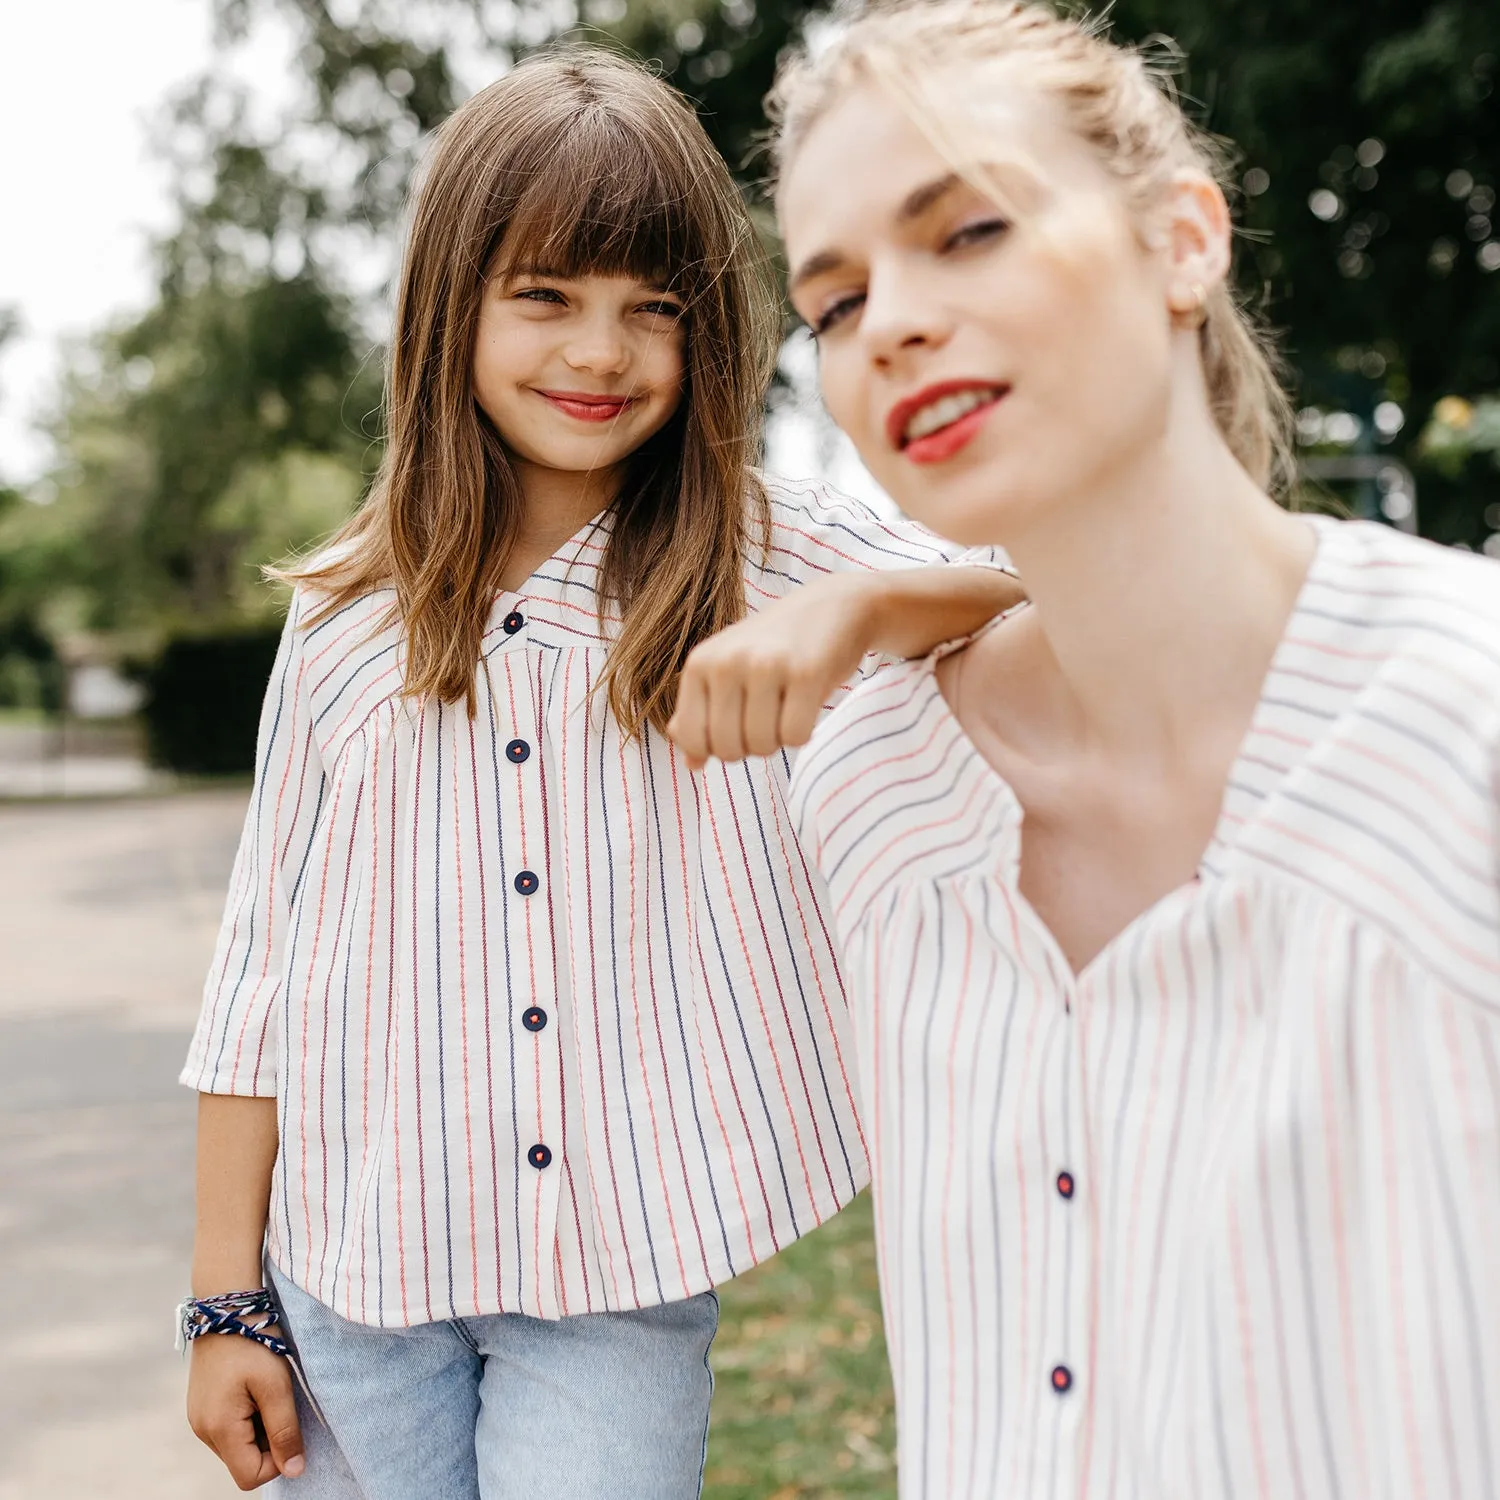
x=945 y=441
x=587 y=407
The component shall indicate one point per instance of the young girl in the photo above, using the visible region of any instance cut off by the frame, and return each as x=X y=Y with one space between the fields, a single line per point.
x=1171 y=904
x=519 y=1039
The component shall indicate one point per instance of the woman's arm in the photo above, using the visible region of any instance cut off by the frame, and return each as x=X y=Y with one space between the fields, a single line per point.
x=233 y=1383
x=761 y=684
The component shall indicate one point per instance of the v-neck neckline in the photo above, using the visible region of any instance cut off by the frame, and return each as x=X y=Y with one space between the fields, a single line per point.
x=1228 y=827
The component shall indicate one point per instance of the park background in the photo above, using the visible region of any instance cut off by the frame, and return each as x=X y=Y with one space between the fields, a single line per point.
x=227 y=414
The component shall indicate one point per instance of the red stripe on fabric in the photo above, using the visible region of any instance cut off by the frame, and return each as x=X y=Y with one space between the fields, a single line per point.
x=586 y=822
x=760 y=1004
x=693 y=946
x=626 y=800
x=1380 y=1004
x=1344 y=1282
x=463 y=1006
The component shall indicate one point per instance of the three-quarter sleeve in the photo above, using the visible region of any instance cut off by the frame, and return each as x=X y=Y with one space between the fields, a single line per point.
x=236 y=1044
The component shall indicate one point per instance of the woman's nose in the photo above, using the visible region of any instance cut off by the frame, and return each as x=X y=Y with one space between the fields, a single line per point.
x=900 y=316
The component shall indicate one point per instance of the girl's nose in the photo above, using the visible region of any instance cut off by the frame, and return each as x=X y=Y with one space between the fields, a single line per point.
x=599 y=347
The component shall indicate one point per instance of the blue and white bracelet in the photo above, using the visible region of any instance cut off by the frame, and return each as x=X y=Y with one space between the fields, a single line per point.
x=248 y=1314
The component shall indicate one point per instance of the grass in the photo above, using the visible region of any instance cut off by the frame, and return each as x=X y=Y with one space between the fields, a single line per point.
x=802 y=1400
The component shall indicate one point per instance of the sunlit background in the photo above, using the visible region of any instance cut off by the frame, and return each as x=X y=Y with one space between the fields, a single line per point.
x=201 y=212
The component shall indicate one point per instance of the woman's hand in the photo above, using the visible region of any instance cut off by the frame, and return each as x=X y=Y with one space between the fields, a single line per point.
x=760 y=685
x=240 y=1403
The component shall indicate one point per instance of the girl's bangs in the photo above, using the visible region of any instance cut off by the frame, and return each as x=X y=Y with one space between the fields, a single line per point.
x=604 y=206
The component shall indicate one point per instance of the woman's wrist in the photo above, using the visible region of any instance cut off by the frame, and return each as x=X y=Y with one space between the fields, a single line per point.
x=911 y=611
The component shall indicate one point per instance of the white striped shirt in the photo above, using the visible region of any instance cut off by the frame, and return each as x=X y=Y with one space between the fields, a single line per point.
x=1220 y=1217
x=555 y=1026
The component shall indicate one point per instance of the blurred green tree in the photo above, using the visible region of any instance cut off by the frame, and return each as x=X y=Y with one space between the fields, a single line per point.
x=1367 y=133
x=237 y=419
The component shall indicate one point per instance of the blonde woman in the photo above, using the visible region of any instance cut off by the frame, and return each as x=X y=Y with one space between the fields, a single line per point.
x=1171 y=903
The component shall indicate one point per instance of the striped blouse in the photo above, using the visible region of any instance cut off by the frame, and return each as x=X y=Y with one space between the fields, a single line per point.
x=554 y=1025
x=1220 y=1217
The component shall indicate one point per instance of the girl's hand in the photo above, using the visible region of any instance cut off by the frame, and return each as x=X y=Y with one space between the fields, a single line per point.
x=761 y=684
x=240 y=1403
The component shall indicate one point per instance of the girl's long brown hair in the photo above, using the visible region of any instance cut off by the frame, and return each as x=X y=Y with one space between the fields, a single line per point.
x=584 y=163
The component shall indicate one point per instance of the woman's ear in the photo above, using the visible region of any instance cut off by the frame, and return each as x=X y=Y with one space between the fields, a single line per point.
x=1195 y=219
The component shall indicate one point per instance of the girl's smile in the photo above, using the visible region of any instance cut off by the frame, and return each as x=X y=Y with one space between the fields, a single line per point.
x=585 y=407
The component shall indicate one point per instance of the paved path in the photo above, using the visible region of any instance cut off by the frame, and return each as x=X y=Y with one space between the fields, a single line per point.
x=107 y=919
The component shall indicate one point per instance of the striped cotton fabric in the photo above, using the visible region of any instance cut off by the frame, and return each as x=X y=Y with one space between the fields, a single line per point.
x=555 y=1026
x=1220 y=1217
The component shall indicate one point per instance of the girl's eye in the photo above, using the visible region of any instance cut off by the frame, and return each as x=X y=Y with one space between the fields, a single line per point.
x=835 y=314
x=978 y=233
x=542 y=294
x=662 y=309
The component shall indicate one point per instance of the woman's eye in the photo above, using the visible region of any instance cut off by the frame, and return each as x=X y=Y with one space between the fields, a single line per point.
x=835 y=314
x=542 y=294
x=662 y=309
x=977 y=233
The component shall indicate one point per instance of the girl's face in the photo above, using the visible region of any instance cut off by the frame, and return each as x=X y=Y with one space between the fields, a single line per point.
x=577 y=373
x=986 y=363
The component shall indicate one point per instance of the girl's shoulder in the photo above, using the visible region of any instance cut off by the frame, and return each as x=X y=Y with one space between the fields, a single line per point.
x=815 y=530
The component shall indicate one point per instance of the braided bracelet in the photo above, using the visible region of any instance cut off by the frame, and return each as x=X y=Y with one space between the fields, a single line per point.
x=248 y=1314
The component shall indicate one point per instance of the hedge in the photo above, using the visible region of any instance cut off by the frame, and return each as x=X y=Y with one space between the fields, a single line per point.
x=203 y=697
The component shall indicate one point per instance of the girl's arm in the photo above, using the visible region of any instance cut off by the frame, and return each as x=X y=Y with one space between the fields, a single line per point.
x=761 y=684
x=233 y=1383
x=240 y=1394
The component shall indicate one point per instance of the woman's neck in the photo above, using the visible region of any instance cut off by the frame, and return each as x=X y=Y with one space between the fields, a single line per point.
x=1161 y=596
x=555 y=505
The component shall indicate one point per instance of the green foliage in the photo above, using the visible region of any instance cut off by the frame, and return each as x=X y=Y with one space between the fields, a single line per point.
x=219 y=432
x=1387 y=105
x=802 y=1392
x=235 y=421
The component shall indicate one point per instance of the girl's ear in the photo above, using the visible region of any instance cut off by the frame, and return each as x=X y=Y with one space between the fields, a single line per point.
x=1196 y=222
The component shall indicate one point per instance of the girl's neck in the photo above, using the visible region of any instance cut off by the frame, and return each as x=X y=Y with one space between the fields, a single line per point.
x=1161 y=596
x=555 y=505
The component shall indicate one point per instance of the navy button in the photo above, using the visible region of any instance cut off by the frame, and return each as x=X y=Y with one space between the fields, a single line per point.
x=1062 y=1379
x=513 y=622
x=1065 y=1184
x=539 y=1157
x=534 y=1019
x=527 y=883
x=517 y=751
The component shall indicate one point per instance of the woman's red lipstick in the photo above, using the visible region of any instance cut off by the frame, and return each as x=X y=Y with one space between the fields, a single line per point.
x=587 y=407
x=933 y=447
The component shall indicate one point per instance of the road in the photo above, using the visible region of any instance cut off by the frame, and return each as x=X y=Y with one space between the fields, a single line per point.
x=107 y=919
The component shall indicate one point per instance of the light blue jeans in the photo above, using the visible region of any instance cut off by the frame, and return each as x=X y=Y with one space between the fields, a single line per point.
x=598 y=1406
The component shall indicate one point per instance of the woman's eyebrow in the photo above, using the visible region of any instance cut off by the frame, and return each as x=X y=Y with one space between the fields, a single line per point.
x=920 y=199
x=814 y=265
x=913 y=206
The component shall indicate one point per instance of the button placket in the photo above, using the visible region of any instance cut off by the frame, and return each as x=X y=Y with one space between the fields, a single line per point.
x=531 y=1040
x=1069 y=1303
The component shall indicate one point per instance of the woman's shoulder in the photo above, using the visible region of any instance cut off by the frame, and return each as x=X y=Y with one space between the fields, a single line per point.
x=1400 y=639
x=878 y=738
x=1411 y=595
